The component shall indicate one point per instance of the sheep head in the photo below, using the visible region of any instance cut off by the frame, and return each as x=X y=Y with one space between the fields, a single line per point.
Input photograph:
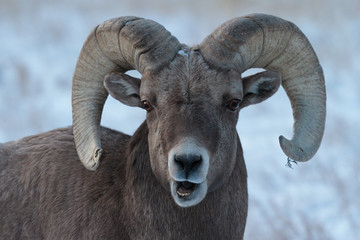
x=193 y=95
x=192 y=112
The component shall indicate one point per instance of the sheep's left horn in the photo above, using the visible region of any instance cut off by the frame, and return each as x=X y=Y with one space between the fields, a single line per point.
x=117 y=45
x=269 y=42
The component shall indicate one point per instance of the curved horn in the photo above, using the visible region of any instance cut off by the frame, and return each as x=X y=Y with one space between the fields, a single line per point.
x=119 y=44
x=264 y=41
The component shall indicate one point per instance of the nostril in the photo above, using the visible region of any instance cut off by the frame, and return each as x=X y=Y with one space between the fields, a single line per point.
x=188 y=162
x=196 y=163
x=179 y=162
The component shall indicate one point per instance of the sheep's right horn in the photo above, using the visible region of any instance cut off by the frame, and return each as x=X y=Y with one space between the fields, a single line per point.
x=269 y=42
x=117 y=45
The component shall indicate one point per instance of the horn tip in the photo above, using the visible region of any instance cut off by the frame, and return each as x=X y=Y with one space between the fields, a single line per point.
x=294 y=150
x=93 y=163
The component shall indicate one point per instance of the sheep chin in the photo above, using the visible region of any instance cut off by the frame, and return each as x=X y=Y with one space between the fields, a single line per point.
x=188 y=199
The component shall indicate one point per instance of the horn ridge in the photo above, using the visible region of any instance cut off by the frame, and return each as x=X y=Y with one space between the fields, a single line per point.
x=273 y=43
x=117 y=45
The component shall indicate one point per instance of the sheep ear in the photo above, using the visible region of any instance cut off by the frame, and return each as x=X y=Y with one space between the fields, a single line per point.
x=124 y=88
x=259 y=87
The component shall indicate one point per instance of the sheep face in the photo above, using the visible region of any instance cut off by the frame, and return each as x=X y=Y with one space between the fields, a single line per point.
x=192 y=115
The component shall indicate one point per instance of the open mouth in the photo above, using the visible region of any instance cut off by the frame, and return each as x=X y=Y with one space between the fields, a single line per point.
x=187 y=194
x=185 y=189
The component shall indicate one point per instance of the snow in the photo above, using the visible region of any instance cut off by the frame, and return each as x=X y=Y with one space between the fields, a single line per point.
x=320 y=199
x=182 y=53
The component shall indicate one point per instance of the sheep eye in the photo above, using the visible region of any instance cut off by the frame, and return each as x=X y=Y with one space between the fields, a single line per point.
x=234 y=104
x=147 y=106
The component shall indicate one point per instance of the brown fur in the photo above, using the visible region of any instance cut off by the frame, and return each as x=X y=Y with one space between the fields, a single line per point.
x=46 y=193
x=186 y=154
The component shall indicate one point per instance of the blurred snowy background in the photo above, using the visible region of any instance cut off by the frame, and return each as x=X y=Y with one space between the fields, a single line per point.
x=40 y=42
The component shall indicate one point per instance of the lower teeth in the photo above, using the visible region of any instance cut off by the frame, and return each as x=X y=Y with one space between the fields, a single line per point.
x=183 y=194
x=185 y=189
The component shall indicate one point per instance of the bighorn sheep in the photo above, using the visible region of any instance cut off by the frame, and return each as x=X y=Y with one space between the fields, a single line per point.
x=182 y=174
